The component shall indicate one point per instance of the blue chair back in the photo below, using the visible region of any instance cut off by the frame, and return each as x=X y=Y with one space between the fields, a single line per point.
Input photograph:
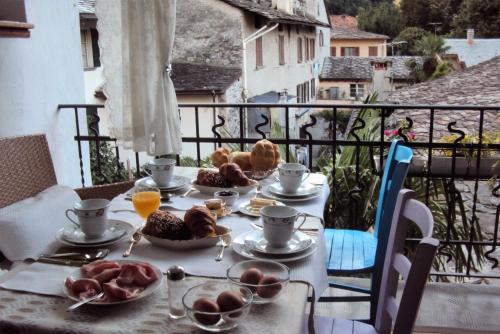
x=395 y=170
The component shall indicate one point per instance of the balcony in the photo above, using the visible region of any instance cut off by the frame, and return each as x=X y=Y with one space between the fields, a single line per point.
x=454 y=170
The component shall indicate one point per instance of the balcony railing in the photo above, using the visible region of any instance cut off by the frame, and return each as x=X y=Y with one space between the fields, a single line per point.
x=455 y=177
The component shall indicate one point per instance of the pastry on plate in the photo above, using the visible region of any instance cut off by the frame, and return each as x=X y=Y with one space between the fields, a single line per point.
x=212 y=179
x=165 y=225
x=220 y=156
x=200 y=221
x=264 y=156
x=242 y=159
x=233 y=173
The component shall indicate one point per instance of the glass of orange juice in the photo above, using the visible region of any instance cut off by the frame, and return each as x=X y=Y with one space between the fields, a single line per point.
x=146 y=201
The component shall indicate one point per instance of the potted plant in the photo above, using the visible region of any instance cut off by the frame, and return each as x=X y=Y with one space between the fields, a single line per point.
x=466 y=158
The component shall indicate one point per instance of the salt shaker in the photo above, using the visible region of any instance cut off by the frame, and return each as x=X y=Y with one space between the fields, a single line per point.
x=176 y=289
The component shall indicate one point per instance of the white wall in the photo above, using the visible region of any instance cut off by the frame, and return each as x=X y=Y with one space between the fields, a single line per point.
x=37 y=74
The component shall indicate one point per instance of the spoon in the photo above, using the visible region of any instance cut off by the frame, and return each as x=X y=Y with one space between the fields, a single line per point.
x=136 y=237
x=98 y=254
x=225 y=241
x=85 y=301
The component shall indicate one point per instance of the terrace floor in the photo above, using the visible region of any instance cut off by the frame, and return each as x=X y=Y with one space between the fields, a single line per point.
x=446 y=307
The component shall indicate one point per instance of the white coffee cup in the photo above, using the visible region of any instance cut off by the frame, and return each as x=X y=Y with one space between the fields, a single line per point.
x=92 y=216
x=291 y=176
x=278 y=224
x=162 y=171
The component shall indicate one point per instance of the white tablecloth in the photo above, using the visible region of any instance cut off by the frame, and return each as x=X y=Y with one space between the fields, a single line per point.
x=196 y=262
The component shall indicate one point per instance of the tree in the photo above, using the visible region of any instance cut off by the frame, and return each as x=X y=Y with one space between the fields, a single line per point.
x=384 y=18
x=481 y=15
x=349 y=7
x=410 y=35
x=422 y=13
x=431 y=46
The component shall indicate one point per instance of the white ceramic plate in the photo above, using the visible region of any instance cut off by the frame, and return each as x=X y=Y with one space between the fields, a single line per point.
x=76 y=236
x=191 y=243
x=177 y=183
x=238 y=245
x=245 y=208
x=211 y=190
x=123 y=225
x=299 y=243
x=77 y=274
x=268 y=194
x=305 y=190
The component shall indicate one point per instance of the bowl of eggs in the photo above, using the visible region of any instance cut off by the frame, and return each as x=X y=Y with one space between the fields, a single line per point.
x=265 y=279
x=217 y=306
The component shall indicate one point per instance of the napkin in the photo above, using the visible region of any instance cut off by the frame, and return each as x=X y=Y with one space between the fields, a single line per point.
x=28 y=227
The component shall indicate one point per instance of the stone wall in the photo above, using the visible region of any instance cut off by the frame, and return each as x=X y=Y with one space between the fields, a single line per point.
x=208 y=32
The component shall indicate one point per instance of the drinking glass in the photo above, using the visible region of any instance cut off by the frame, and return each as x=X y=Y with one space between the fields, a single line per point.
x=146 y=200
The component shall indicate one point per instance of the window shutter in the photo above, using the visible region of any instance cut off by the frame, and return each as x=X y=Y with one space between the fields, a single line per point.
x=94 y=35
x=299 y=50
x=356 y=52
x=342 y=52
x=258 y=52
x=372 y=51
x=306 y=47
x=281 y=48
x=333 y=51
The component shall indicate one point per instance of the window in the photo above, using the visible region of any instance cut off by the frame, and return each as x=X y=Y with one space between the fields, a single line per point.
x=321 y=38
x=90 y=48
x=306 y=47
x=259 y=61
x=313 y=89
x=13 y=21
x=357 y=90
x=373 y=51
x=333 y=51
x=312 y=43
x=83 y=37
x=299 y=50
x=299 y=93
x=281 y=48
x=349 y=52
x=306 y=88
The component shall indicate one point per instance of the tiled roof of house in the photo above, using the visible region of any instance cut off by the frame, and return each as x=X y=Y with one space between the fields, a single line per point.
x=264 y=9
x=203 y=78
x=472 y=54
x=360 y=68
x=86 y=6
x=344 y=21
x=478 y=85
x=354 y=33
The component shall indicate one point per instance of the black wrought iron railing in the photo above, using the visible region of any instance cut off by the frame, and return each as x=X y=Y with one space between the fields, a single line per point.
x=454 y=171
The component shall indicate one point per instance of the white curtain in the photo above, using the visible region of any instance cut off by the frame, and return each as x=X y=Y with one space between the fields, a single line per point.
x=136 y=38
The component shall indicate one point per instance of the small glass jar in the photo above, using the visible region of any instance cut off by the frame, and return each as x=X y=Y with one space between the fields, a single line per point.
x=176 y=286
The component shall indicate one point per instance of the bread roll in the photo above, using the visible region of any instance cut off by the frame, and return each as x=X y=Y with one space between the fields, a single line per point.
x=212 y=179
x=220 y=156
x=163 y=224
x=242 y=159
x=264 y=156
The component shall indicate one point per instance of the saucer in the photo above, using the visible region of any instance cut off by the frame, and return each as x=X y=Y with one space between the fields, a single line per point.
x=75 y=237
x=177 y=183
x=298 y=243
x=267 y=193
x=304 y=190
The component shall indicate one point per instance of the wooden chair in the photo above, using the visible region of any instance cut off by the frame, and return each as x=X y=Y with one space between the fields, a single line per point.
x=26 y=169
x=352 y=251
x=391 y=315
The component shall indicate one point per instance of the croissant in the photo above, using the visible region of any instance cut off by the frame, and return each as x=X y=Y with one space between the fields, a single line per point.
x=200 y=221
x=242 y=159
x=220 y=156
x=211 y=179
x=233 y=173
x=265 y=156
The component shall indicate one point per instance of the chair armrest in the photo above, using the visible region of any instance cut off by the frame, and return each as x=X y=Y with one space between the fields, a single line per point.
x=107 y=191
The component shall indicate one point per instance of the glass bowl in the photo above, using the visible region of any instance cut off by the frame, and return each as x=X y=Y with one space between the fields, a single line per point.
x=262 y=293
x=216 y=321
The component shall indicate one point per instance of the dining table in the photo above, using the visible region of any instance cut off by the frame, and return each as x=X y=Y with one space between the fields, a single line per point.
x=32 y=299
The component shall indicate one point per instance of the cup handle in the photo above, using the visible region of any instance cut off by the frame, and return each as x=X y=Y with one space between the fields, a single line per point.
x=147 y=172
x=308 y=171
x=71 y=220
x=304 y=215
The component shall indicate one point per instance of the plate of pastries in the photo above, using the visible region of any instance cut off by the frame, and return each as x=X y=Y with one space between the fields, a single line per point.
x=198 y=229
x=236 y=169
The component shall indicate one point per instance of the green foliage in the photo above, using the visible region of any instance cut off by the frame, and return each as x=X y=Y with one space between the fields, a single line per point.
x=442 y=69
x=410 y=35
x=109 y=172
x=349 y=7
x=384 y=18
x=481 y=15
x=421 y=13
x=431 y=46
x=343 y=117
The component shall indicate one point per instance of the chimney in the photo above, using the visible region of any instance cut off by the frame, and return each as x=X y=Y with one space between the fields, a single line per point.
x=470 y=36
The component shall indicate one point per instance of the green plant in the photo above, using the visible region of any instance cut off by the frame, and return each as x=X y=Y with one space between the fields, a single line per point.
x=105 y=169
x=487 y=138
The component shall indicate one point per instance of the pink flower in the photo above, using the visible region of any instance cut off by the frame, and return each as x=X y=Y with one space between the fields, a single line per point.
x=412 y=135
x=395 y=132
x=387 y=132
